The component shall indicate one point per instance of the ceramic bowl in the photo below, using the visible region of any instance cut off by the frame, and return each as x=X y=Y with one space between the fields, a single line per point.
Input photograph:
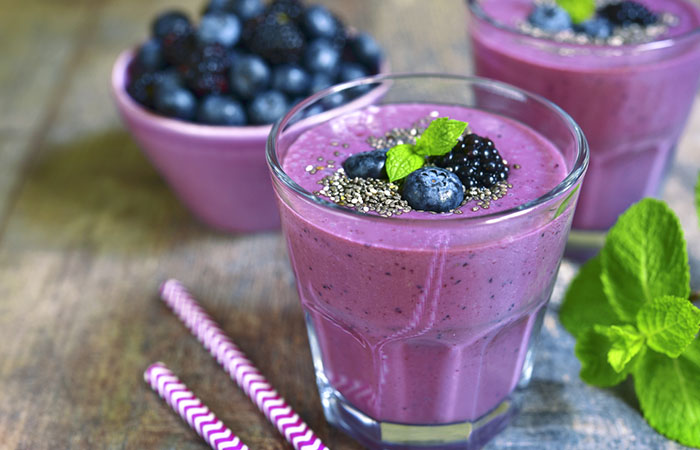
x=218 y=172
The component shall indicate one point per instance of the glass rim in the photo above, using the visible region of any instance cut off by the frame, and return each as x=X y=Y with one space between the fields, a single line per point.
x=657 y=44
x=573 y=176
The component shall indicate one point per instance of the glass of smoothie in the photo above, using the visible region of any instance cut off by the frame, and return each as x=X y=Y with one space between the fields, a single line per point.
x=422 y=324
x=631 y=94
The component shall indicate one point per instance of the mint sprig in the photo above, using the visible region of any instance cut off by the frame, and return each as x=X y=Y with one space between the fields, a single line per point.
x=644 y=257
x=629 y=311
x=579 y=10
x=438 y=139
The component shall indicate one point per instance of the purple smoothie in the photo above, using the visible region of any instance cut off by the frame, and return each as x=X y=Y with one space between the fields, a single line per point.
x=632 y=102
x=424 y=319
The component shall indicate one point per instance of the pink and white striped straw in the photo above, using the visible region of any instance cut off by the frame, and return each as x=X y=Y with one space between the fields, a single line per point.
x=191 y=409
x=239 y=368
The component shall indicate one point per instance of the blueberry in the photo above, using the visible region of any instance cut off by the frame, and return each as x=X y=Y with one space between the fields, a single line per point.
x=366 y=50
x=333 y=100
x=352 y=71
x=249 y=76
x=433 y=189
x=149 y=57
x=170 y=22
x=318 y=22
x=267 y=107
x=247 y=9
x=312 y=110
x=168 y=78
x=598 y=27
x=220 y=110
x=319 y=81
x=142 y=88
x=321 y=56
x=290 y=79
x=175 y=102
x=550 y=18
x=244 y=9
x=219 y=28
x=366 y=165
x=234 y=55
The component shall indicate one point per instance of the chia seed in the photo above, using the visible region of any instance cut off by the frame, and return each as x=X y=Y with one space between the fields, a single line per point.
x=363 y=194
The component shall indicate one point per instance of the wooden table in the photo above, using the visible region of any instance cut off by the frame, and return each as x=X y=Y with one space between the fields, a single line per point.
x=88 y=230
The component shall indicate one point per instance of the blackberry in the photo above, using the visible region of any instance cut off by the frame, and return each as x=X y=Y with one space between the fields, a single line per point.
x=207 y=70
x=276 y=35
x=205 y=83
x=179 y=44
x=291 y=9
x=476 y=161
x=627 y=13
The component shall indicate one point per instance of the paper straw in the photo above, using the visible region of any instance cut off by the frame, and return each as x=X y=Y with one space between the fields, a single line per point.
x=239 y=368
x=191 y=409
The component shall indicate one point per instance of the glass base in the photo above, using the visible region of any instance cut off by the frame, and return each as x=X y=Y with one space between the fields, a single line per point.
x=468 y=435
x=373 y=434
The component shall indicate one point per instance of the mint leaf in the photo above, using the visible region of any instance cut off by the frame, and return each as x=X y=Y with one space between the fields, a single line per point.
x=626 y=343
x=592 y=349
x=669 y=394
x=692 y=352
x=669 y=324
x=585 y=303
x=644 y=257
x=401 y=161
x=579 y=10
x=440 y=137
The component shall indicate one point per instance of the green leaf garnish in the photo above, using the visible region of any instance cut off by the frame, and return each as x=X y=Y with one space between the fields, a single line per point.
x=401 y=161
x=585 y=303
x=626 y=343
x=669 y=324
x=644 y=257
x=629 y=311
x=669 y=394
x=592 y=349
x=438 y=139
x=579 y=10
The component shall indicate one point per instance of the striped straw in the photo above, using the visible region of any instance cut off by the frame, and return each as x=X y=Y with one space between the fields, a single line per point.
x=191 y=409
x=239 y=368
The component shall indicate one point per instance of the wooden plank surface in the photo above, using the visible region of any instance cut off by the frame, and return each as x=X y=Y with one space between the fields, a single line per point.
x=88 y=230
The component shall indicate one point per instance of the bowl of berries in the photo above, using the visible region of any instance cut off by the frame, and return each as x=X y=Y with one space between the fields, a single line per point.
x=200 y=98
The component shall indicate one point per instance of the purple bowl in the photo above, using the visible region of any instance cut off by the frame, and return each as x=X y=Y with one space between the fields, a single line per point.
x=218 y=172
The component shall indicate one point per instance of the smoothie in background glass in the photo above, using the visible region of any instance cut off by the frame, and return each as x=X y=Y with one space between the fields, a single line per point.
x=632 y=101
x=421 y=325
